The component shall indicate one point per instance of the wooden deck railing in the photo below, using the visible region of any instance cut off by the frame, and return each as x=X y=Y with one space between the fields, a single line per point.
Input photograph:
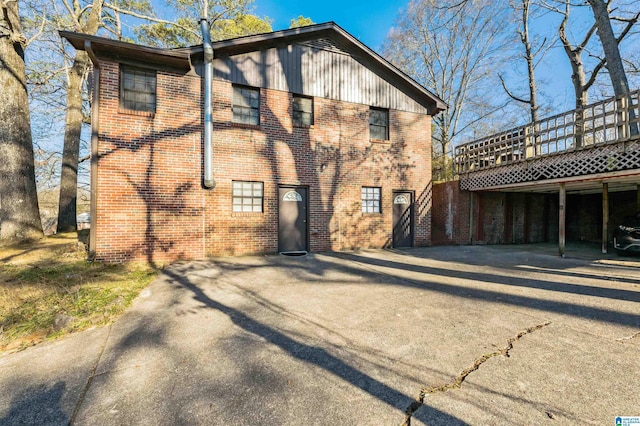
x=604 y=122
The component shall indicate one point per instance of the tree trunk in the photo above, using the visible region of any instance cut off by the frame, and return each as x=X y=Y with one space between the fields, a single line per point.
x=71 y=150
x=74 y=119
x=610 y=47
x=529 y=57
x=19 y=214
x=533 y=97
x=580 y=89
x=612 y=55
x=579 y=80
x=574 y=54
x=578 y=77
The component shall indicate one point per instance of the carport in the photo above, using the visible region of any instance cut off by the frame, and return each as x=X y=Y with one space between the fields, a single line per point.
x=604 y=184
x=583 y=164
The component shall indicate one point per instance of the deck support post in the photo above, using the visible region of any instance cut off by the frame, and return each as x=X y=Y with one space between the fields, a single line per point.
x=561 y=220
x=472 y=222
x=605 y=216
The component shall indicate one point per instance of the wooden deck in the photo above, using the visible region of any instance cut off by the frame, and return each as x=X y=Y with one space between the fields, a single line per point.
x=602 y=139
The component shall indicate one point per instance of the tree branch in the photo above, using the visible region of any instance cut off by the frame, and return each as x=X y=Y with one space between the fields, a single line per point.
x=149 y=18
x=40 y=31
x=635 y=68
x=587 y=37
x=512 y=96
x=472 y=122
x=594 y=73
x=72 y=15
x=630 y=23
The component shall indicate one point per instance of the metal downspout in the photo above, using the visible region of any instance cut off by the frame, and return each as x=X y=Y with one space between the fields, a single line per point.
x=95 y=121
x=208 y=180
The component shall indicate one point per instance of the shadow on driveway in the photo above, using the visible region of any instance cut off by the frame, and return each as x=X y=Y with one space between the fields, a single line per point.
x=317 y=356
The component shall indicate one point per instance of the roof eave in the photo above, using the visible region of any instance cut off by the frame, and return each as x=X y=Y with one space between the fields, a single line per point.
x=115 y=49
x=181 y=58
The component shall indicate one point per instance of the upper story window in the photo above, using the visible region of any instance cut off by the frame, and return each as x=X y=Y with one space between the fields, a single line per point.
x=138 y=89
x=302 y=111
x=246 y=105
x=379 y=123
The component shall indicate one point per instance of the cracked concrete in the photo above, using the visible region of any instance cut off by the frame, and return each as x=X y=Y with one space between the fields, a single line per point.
x=92 y=374
x=633 y=336
x=348 y=338
x=457 y=382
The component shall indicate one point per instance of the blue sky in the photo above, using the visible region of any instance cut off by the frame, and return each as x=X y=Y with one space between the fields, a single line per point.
x=371 y=21
x=367 y=21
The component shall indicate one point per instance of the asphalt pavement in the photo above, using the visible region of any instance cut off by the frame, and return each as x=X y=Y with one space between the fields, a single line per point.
x=452 y=335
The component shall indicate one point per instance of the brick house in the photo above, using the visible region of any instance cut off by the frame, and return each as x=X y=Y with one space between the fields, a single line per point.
x=316 y=143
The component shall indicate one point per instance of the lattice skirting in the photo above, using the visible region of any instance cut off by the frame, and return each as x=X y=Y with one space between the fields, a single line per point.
x=597 y=159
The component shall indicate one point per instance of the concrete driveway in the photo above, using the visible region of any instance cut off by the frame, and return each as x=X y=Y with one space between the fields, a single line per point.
x=479 y=335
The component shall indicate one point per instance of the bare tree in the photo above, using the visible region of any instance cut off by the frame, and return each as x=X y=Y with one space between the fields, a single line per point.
x=19 y=213
x=533 y=52
x=581 y=83
x=574 y=53
x=74 y=118
x=609 y=42
x=450 y=47
x=88 y=19
x=612 y=52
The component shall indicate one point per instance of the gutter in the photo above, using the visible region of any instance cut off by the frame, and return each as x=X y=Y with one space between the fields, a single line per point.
x=95 y=119
x=208 y=180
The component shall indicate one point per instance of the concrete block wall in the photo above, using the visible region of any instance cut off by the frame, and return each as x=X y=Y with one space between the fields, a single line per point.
x=497 y=218
x=490 y=214
x=584 y=214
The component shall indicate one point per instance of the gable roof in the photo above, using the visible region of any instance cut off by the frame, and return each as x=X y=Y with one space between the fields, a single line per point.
x=181 y=58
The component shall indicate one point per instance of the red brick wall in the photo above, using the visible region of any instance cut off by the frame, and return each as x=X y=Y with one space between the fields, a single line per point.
x=151 y=205
x=451 y=216
x=149 y=201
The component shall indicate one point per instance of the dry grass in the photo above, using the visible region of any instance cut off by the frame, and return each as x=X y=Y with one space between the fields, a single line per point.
x=48 y=289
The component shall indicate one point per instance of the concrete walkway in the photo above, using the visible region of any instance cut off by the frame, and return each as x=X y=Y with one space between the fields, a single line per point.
x=482 y=335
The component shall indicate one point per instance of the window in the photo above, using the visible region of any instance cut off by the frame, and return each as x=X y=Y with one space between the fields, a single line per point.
x=247 y=196
x=370 y=199
x=138 y=89
x=379 y=123
x=302 y=111
x=246 y=105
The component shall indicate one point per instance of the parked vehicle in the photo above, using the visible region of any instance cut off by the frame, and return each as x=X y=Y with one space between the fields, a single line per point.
x=626 y=237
